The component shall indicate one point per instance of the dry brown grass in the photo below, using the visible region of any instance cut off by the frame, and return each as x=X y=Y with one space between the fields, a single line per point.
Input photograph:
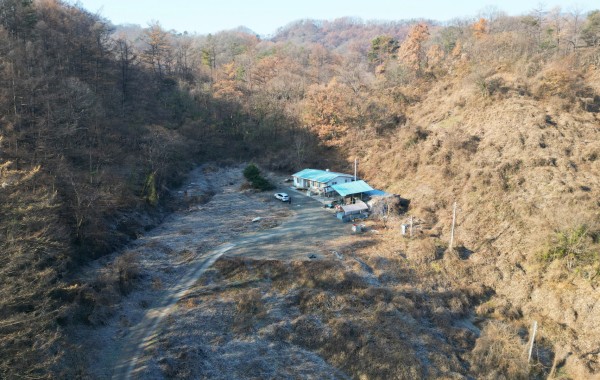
x=522 y=164
x=127 y=271
x=422 y=250
x=363 y=314
x=249 y=309
x=500 y=353
x=95 y=302
x=157 y=283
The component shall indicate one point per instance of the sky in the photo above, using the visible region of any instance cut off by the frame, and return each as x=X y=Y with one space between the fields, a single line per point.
x=265 y=16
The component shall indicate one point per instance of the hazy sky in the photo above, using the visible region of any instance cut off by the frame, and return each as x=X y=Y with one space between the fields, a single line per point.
x=265 y=16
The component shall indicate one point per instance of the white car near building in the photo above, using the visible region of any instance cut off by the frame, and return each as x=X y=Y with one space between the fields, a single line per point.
x=282 y=197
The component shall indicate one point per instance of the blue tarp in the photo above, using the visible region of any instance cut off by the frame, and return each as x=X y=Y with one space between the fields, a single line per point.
x=350 y=188
x=322 y=176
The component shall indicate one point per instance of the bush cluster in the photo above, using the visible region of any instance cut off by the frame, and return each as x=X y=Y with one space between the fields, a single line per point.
x=252 y=174
x=574 y=246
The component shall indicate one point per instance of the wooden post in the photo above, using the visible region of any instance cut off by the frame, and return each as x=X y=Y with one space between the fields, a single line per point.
x=532 y=340
x=452 y=229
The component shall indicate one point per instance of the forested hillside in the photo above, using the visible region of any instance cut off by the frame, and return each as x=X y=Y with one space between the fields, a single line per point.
x=98 y=123
x=94 y=131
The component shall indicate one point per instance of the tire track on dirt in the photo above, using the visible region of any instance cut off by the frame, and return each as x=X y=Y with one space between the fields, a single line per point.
x=224 y=223
x=146 y=331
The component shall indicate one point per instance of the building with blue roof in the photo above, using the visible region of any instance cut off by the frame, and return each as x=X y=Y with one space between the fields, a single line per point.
x=352 y=188
x=320 y=181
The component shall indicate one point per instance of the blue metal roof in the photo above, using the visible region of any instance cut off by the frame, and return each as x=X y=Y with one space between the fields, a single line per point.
x=350 y=188
x=319 y=175
x=376 y=192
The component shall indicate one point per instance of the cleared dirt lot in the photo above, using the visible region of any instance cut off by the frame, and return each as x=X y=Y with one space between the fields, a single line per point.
x=171 y=257
x=223 y=297
x=301 y=230
x=308 y=231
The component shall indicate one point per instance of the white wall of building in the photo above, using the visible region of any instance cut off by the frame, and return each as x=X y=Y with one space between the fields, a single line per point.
x=339 y=180
x=305 y=183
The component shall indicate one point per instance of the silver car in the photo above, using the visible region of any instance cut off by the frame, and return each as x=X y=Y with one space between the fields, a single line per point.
x=282 y=197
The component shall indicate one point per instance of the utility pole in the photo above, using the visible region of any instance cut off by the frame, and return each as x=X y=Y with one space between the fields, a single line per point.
x=452 y=229
x=411 y=225
x=355 y=167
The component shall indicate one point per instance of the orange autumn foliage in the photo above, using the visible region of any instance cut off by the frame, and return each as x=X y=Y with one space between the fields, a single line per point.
x=480 y=28
x=412 y=51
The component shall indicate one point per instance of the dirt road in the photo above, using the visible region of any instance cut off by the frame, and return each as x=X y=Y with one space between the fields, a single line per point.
x=176 y=253
x=299 y=236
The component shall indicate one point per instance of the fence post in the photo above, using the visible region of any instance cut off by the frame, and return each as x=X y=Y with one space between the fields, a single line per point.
x=452 y=229
x=532 y=340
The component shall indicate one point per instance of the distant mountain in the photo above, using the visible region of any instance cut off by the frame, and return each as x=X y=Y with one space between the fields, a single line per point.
x=340 y=33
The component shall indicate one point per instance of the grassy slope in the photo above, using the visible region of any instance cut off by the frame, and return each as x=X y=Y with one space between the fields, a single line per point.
x=521 y=167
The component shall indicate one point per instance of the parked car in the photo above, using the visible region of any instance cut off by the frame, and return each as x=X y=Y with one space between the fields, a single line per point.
x=282 y=197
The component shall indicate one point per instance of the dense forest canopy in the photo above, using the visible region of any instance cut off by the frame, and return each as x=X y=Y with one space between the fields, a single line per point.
x=98 y=121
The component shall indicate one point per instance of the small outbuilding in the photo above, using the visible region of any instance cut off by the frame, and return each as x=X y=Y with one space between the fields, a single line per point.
x=355 y=208
x=349 y=211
